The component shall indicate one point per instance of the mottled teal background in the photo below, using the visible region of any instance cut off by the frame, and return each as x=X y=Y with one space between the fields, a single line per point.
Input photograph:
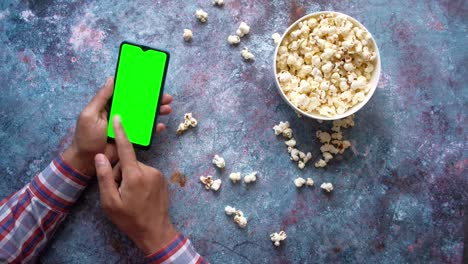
x=399 y=192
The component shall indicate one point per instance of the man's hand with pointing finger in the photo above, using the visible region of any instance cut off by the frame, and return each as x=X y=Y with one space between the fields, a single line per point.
x=134 y=196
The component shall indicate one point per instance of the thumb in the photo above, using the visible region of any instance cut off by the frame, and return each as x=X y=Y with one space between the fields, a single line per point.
x=100 y=100
x=107 y=187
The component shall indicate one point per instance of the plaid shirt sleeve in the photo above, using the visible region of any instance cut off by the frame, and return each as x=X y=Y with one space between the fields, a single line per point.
x=178 y=251
x=29 y=217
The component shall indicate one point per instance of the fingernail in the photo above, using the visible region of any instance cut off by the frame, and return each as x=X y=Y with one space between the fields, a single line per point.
x=117 y=120
x=100 y=159
x=108 y=80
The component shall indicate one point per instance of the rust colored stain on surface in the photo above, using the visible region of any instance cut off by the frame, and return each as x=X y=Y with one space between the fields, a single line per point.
x=178 y=178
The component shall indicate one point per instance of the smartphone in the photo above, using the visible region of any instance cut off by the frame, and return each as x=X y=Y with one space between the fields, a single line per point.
x=138 y=90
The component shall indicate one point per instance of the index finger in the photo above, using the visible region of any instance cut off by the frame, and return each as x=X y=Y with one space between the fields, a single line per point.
x=124 y=147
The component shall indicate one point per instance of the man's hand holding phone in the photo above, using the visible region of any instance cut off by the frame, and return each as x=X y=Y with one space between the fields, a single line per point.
x=91 y=131
x=134 y=196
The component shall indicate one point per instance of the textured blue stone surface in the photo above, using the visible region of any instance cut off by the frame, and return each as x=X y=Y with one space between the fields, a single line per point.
x=399 y=192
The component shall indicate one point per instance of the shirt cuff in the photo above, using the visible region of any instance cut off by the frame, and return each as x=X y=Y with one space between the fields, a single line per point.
x=178 y=250
x=59 y=185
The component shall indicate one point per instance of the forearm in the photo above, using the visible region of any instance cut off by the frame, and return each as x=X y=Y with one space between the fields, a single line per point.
x=29 y=217
x=178 y=251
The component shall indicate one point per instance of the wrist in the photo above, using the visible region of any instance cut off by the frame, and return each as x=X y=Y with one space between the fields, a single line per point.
x=84 y=163
x=158 y=240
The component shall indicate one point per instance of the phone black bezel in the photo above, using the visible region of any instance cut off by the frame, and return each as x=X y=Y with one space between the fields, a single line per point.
x=161 y=93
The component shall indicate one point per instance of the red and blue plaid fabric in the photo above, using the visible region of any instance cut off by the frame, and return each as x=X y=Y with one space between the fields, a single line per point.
x=29 y=217
x=179 y=250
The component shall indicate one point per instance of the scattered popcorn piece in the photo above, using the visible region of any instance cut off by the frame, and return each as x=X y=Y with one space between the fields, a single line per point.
x=341 y=145
x=328 y=187
x=240 y=219
x=276 y=238
x=216 y=185
x=201 y=15
x=229 y=210
x=209 y=183
x=277 y=38
x=337 y=135
x=280 y=127
x=345 y=123
x=320 y=164
x=219 y=161
x=346 y=144
x=288 y=133
x=307 y=157
x=233 y=39
x=309 y=182
x=251 y=177
x=243 y=29
x=329 y=148
x=218 y=2
x=290 y=143
x=323 y=136
x=301 y=164
x=247 y=55
x=283 y=129
x=327 y=156
x=295 y=154
x=189 y=121
x=301 y=154
x=182 y=127
x=299 y=182
x=334 y=143
x=187 y=35
x=235 y=177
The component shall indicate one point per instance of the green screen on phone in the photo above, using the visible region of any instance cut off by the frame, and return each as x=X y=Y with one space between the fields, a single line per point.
x=138 y=85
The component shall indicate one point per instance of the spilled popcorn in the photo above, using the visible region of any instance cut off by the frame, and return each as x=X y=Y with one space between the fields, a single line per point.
x=229 y=210
x=276 y=38
x=210 y=183
x=276 y=238
x=243 y=29
x=298 y=156
x=218 y=2
x=283 y=129
x=251 y=177
x=247 y=55
x=219 y=161
x=187 y=35
x=320 y=164
x=240 y=220
x=233 y=39
x=333 y=143
x=239 y=217
x=327 y=186
x=325 y=64
x=189 y=121
x=299 y=182
x=235 y=177
x=201 y=15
